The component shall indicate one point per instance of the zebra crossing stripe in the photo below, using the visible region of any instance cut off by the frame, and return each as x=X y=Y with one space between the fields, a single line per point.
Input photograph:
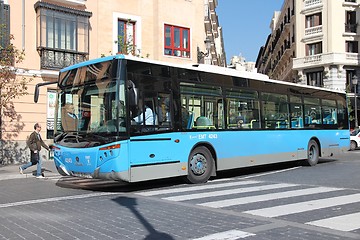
x=195 y=188
x=229 y=192
x=347 y=222
x=305 y=206
x=267 y=197
x=228 y=235
x=55 y=199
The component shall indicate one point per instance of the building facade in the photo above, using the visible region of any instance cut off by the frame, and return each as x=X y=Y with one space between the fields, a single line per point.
x=57 y=33
x=314 y=42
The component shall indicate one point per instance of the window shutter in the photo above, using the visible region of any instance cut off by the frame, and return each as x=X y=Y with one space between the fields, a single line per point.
x=317 y=20
x=307 y=50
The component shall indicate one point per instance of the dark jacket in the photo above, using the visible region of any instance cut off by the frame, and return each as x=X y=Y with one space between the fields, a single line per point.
x=35 y=142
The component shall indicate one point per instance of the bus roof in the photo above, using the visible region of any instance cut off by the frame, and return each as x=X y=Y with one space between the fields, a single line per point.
x=198 y=67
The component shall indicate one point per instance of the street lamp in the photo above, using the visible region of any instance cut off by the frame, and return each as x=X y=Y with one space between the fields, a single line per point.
x=201 y=55
x=355 y=82
x=207 y=45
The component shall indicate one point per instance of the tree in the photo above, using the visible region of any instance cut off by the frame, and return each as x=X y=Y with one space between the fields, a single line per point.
x=12 y=86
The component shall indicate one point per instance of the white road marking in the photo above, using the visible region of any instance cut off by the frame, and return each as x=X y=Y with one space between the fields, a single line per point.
x=269 y=173
x=195 y=188
x=55 y=199
x=347 y=222
x=228 y=235
x=305 y=206
x=267 y=197
x=229 y=192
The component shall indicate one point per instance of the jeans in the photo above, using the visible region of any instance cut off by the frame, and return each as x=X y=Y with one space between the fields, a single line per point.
x=35 y=156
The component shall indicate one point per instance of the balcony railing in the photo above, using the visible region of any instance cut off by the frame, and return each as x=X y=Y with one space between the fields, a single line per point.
x=309 y=3
x=55 y=59
x=313 y=30
x=313 y=58
x=327 y=59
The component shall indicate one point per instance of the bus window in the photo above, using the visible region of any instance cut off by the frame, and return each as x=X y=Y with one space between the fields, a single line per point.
x=329 y=112
x=220 y=114
x=342 y=115
x=199 y=111
x=145 y=119
x=275 y=111
x=164 y=112
x=296 y=112
x=312 y=111
x=242 y=109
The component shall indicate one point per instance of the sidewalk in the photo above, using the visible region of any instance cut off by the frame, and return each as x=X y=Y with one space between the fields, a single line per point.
x=12 y=171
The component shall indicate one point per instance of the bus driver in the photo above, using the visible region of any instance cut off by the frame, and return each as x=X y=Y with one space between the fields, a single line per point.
x=150 y=118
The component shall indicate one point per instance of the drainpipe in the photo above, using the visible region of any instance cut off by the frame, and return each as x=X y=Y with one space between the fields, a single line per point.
x=23 y=25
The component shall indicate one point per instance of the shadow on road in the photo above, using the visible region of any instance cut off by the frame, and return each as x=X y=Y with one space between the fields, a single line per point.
x=131 y=204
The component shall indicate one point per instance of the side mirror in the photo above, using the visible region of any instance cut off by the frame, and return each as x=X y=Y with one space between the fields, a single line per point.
x=36 y=92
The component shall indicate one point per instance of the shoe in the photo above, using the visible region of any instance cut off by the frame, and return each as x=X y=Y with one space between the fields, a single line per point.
x=20 y=170
x=41 y=176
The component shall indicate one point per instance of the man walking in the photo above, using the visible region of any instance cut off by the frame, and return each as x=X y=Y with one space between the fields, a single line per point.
x=34 y=143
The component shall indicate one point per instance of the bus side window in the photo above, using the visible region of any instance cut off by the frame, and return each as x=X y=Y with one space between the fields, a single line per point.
x=163 y=111
x=329 y=112
x=187 y=118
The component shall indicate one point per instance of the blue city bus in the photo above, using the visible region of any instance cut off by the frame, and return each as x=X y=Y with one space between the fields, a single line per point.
x=197 y=120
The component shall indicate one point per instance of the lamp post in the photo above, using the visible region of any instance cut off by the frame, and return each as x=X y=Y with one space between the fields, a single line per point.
x=355 y=82
x=201 y=55
x=208 y=47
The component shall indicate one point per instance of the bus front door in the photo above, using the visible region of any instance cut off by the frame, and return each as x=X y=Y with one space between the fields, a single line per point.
x=154 y=158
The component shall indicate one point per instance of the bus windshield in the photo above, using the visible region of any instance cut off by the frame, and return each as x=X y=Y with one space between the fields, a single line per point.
x=91 y=106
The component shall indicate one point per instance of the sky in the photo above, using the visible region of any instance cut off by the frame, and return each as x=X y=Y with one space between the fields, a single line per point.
x=245 y=25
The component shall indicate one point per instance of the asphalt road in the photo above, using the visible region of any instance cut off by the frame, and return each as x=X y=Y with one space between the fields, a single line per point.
x=283 y=201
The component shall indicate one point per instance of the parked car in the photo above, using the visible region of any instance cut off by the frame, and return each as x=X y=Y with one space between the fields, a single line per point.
x=354 y=139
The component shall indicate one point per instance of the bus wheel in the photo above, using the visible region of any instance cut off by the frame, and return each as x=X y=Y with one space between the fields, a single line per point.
x=313 y=153
x=200 y=165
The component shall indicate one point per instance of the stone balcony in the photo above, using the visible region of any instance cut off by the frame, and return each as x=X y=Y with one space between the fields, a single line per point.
x=313 y=31
x=326 y=59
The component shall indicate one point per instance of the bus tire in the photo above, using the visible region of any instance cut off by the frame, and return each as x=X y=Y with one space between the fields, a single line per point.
x=312 y=153
x=200 y=165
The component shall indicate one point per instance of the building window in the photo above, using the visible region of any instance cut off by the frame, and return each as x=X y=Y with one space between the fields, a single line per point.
x=315 y=79
x=352 y=46
x=126 y=36
x=313 y=20
x=4 y=25
x=177 y=41
x=62 y=35
x=350 y=22
x=313 y=48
